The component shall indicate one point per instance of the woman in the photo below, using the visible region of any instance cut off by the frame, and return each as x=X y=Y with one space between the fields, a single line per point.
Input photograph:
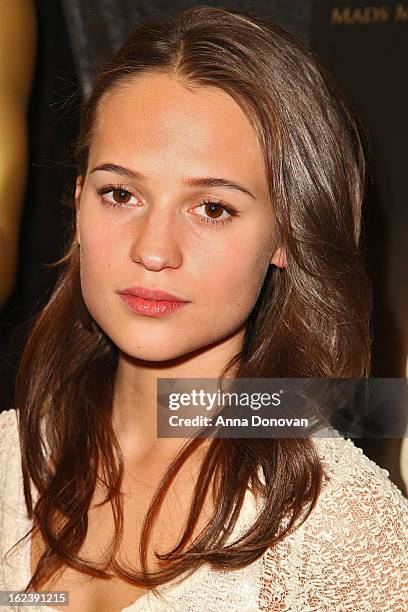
x=217 y=163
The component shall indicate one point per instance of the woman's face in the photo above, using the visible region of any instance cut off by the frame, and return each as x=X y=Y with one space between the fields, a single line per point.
x=152 y=228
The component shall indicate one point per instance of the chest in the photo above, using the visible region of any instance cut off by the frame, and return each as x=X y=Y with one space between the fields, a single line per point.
x=91 y=594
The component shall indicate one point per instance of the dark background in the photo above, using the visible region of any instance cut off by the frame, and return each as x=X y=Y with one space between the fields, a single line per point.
x=364 y=44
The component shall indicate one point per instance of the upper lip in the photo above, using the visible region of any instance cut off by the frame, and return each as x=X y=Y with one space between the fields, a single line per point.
x=152 y=294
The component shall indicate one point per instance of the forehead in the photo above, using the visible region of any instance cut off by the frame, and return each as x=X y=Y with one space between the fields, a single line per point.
x=155 y=117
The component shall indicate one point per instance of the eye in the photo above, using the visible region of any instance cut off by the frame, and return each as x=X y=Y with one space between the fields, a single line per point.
x=216 y=208
x=119 y=196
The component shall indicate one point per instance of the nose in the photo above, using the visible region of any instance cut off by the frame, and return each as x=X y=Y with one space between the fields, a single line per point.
x=156 y=240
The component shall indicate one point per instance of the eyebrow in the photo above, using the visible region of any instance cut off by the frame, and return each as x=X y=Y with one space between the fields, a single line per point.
x=195 y=181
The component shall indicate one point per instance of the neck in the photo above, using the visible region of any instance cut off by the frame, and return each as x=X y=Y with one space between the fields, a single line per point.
x=135 y=396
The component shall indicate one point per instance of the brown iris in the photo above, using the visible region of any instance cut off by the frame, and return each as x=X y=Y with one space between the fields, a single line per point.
x=123 y=198
x=213 y=205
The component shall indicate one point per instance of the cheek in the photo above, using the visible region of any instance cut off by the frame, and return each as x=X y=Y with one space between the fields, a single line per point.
x=236 y=279
x=97 y=260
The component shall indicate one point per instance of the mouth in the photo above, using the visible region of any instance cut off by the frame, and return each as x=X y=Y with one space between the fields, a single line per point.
x=151 y=302
x=157 y=295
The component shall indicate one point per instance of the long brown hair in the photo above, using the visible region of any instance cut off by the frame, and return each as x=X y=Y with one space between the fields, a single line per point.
x=312 y=318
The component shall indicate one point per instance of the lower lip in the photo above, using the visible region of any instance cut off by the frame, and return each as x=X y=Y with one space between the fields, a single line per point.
x=150 y=307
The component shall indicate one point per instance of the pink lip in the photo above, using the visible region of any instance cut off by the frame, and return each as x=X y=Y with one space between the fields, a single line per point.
x=151 y=294
x=151 y=302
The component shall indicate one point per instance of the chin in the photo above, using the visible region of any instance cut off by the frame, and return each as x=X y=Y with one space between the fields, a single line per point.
x=151 y=347
x=153 y=354
x=156 y=349
x=144 y=339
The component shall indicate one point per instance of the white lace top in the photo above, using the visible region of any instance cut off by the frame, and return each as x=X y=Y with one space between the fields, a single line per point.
x=351 y=554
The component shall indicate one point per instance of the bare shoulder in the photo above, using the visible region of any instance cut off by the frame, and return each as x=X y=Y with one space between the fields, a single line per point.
x=351 y=552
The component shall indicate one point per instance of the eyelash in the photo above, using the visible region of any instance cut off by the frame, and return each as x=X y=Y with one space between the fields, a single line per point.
x=118 y=187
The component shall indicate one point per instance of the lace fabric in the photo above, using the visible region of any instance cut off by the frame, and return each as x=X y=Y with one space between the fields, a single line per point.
x=349 y=555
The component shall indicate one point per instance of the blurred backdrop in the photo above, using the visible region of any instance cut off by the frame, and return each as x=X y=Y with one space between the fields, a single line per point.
x=58 y=46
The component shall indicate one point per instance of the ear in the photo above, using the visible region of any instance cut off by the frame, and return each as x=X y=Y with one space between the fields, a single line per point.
x=78 y=191
x=279 y=258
